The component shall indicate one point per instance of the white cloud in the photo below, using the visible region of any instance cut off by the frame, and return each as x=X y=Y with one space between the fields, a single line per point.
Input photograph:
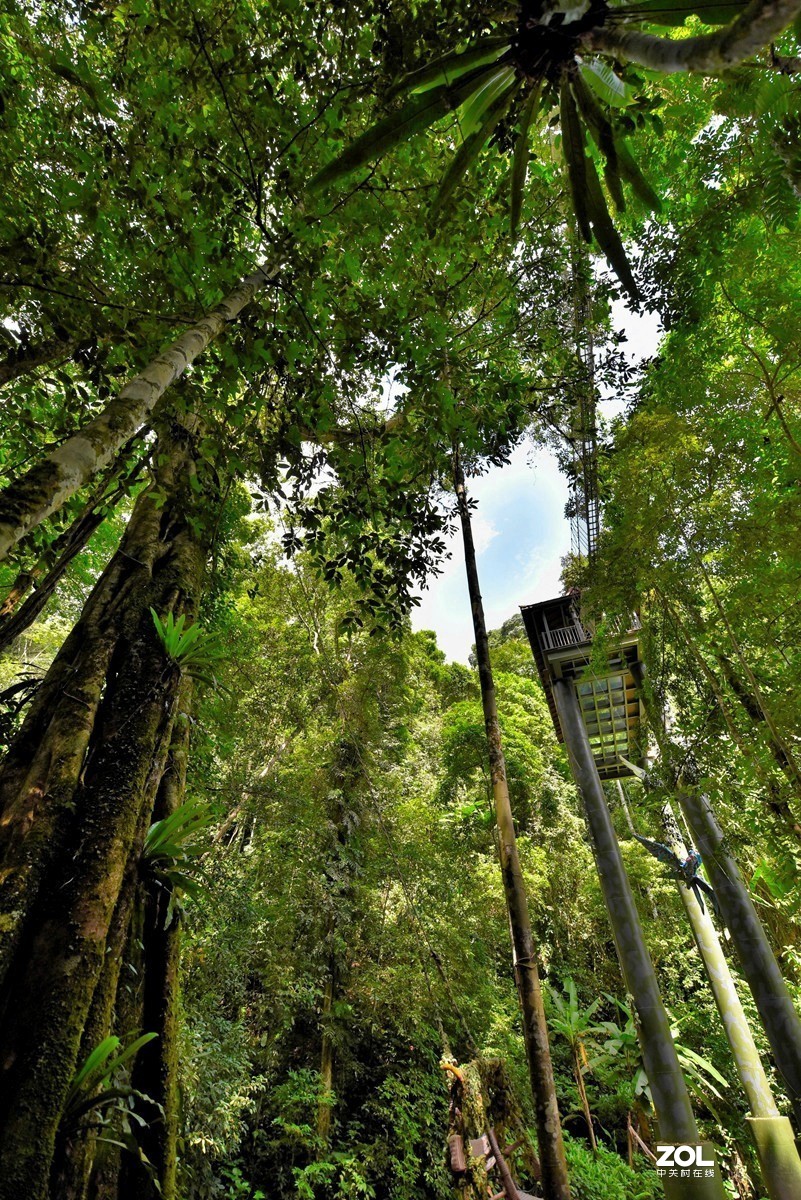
x=484 y=533
x=520 y=533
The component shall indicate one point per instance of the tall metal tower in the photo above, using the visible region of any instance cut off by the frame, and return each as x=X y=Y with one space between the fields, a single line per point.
x=584 y=503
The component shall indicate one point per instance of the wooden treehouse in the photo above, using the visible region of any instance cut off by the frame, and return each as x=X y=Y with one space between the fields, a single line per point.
x=607 y=696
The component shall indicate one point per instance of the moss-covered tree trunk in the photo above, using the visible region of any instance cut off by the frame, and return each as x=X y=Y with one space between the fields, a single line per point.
x=549 y=1131
x=80 y=1159
x=342 y=866
x=324 y=1109
x=77 y=792
x=155 y=1072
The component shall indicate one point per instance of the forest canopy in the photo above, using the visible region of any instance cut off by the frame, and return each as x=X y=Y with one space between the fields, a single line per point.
x=290 y=905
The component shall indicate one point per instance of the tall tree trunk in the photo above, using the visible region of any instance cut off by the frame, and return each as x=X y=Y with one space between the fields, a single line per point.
x=115 y=1008
x=535 y=1031
x=344 y=816
x=155 y=1072
x=41 y=491
x=780 y=1019
x=77 y=791
x=773 y=1134
x=324 y=1112
x=671 y=1101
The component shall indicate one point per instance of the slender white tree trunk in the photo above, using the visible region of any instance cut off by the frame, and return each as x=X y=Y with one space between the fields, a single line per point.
x=47 y=486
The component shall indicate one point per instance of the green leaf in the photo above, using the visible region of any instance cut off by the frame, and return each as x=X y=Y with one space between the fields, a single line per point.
x=608 y=86
x=778 y=97
x=466 y=155
x=702 y=1064
x=417 y=114
x=97 y=1057
x=128 y=1053
x=449 y=67
x=521 y=154
x=100 y=1066
x=489 y=90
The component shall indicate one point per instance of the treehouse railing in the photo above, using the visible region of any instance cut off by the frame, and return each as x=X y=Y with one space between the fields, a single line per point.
x=566 y=636
x=561 y=639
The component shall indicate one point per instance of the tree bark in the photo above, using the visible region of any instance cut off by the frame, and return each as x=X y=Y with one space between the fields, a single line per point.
x=37 y=356
x=778 y=1157
x=756 y=27
x=324 y=1112
x=155 y=1072
x=115 y=1008
x=535 y=1032
x=343 y=857
x=15 y=620
x=41 y=491
x=77 y=792
x=54 y=563
x=671 y=1101
x=780 y=1019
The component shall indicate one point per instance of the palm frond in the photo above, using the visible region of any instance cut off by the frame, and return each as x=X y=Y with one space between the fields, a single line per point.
x=449 y=67
x=606 y=235
x=603 y=135
x=575 y=157
x=490 y=89
x=416 y=115
x=468 y=152
x=521 y=154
